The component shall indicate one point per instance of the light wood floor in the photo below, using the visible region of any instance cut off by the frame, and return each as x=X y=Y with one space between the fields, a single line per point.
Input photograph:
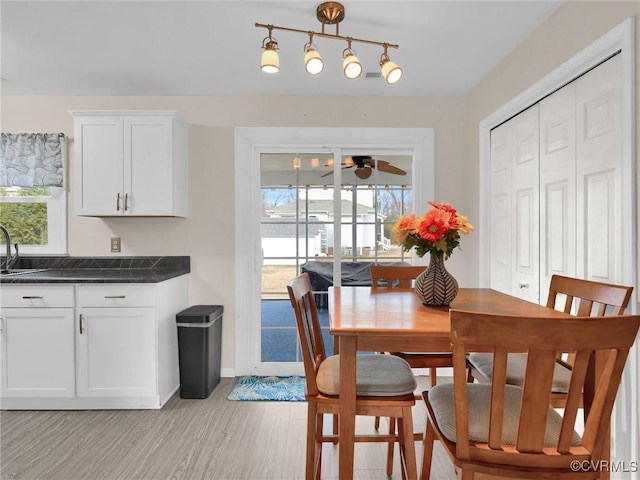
x=186 y=440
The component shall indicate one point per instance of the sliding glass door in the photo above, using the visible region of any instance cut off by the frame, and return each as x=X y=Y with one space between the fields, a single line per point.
x=332 y=209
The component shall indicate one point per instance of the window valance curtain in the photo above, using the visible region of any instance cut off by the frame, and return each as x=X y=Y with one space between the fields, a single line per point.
x=32 y=159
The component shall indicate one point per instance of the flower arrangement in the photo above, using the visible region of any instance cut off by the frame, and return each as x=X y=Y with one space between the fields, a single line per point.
x=437 y=231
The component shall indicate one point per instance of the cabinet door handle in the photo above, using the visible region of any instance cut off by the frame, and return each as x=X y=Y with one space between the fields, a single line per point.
x=81 y=324
x=118 y=202
x=115 y=296
x=126 y=202
x=32 y=297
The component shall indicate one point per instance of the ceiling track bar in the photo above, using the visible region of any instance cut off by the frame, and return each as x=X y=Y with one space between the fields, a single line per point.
x=326 y=35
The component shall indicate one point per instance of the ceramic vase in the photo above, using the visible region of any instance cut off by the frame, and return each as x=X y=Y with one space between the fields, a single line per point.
x=436 y=286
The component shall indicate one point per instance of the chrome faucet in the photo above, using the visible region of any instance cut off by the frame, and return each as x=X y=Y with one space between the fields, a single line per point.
x=10 y=259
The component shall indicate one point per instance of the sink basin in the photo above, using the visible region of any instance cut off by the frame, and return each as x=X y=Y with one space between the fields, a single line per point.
x=21 y=271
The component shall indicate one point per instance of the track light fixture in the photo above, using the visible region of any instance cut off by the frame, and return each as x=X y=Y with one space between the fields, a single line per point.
x=351 y=66
x=313 y=63
x=270 y=62
x=390 y=71
x=328 y=13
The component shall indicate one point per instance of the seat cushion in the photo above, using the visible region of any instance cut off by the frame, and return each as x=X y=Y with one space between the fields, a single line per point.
x=516 y=365
x=422 y=354
x=479 y=398
x=376 y=375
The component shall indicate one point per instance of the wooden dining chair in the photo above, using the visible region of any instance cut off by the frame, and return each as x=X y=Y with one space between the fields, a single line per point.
x=505 y=430
x=402 y=276
x=573 y=296
x=394 y=276
x=384 y=386
x=399 y=276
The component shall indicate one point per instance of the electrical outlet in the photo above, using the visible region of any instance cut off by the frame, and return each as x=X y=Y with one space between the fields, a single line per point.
x=115 y=244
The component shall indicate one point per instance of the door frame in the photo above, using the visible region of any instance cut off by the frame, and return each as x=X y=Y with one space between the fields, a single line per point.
x=625 y=426
x=249 y=142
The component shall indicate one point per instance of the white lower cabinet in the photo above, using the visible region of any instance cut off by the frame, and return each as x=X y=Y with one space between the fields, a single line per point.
x=37 y=352
x=90 y=346
x=128 y=370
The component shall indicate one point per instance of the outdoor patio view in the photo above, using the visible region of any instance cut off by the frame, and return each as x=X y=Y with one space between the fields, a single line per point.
x=299 y=233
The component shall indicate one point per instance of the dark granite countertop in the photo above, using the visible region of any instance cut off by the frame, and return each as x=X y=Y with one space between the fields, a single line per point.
x=96 y=270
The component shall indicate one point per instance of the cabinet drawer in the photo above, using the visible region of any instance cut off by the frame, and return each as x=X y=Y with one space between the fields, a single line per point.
x=36 y=296
x=117 y=296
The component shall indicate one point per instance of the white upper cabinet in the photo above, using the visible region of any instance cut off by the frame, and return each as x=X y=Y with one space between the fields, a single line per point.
x=132 y=163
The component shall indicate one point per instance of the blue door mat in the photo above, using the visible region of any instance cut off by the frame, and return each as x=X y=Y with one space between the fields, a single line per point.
x=280 y=389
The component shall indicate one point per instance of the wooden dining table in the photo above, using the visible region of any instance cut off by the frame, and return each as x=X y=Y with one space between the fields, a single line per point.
x=367 y=319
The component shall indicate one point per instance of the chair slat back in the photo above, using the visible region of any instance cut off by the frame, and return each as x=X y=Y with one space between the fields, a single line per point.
x=585 y=298
x=585 y=295
x=497 y=399
x=394 y=275
x=541 y=338
x=309 y=332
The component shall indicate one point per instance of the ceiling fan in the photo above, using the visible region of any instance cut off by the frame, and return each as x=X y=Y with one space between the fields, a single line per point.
x=365 y=164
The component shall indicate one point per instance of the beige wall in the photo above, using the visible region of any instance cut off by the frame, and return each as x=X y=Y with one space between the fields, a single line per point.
x=208 y=234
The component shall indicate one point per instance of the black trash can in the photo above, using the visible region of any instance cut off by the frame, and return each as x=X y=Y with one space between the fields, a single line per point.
x=199 y=345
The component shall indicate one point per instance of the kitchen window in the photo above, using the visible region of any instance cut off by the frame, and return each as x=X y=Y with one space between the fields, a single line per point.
x=36 y=218
x=33 y=200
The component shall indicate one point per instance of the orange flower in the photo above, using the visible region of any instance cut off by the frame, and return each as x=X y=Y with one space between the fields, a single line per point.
x=406 y=225
x=447 y=207
x=434 y=224
x=463 y=224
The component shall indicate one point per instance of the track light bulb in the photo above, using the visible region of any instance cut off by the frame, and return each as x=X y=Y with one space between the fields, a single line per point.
x=351 y=67
x=313 y=63
x=390 y=71
x=270 y=62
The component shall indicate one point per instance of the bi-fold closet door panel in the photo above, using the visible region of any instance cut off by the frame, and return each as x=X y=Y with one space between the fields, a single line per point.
x=557 y=186
x=515 y=206
x=501 y=208
x=525 y=204
x=599 y=172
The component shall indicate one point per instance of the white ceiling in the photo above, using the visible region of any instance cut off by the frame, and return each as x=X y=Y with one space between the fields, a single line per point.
x=212 y=47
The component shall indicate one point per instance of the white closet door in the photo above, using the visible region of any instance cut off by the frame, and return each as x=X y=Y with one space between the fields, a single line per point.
x=501 y=208
x=557 y=186
x=560 y=193
x=525 y=205
x=599 y=153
